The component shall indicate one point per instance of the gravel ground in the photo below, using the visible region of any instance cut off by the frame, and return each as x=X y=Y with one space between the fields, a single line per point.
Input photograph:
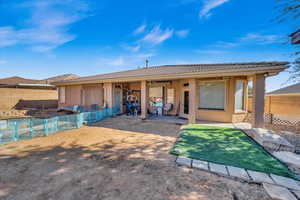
x=117 y=158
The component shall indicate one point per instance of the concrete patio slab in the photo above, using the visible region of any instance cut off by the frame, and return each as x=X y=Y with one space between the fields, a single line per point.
x=199 y=164
x=278 y=192
x=242 y=125
x=286 y=182
x=260 y=177
x=238 y=172
x=184 y=161
x=217 y=168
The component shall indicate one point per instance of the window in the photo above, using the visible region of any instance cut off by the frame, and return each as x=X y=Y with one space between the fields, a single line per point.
x=239 y=96
x=212 y=95
x=170 y=96
x=62 y=95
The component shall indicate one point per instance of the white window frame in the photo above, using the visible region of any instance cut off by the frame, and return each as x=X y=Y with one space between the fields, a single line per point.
x=225 y=95
x=244 y=97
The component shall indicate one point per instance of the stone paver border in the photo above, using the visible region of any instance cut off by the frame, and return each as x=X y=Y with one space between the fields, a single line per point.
x=273 y=182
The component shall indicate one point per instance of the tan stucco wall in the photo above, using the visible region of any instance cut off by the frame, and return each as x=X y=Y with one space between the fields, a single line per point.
x=280 y=104
x=72 y=96
x=11 y=97
x=92 y=94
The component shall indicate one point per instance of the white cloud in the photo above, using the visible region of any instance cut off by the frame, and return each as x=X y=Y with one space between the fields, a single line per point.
x=261 y=39
x=223 y=44
x=140 y=29
x=144 y=55
x=132 y=48
x=48 y=26
x=7 y=36
x=157 y=36
x=182 y=33
x=116 y=62
x=209 y=5
x=251 y=39
x=149 y=39
x=2 y=62
x=125 y=60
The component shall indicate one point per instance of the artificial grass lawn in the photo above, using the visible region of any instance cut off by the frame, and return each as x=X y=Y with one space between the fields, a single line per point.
x=227 y=146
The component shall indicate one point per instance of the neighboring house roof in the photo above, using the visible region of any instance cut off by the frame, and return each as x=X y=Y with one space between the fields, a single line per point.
x=289 y=90
x=61 y=78
x=181 y=71
x=17 y=81
x=295 y=37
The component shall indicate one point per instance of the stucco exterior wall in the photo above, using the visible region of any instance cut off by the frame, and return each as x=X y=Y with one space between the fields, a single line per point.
x=92 y=94
x=33 y=98
x=83 y=95
x=72 y=96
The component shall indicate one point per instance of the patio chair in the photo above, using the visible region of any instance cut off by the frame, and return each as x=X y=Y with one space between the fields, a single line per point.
x=168 y=107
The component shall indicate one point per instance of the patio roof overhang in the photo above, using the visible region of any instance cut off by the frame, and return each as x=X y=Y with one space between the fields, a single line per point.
x=269 y=69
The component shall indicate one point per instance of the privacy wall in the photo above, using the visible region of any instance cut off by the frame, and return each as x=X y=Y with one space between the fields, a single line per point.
x=27 y=98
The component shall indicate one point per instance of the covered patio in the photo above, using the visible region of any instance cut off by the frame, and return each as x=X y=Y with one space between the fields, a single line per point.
x=207 y=92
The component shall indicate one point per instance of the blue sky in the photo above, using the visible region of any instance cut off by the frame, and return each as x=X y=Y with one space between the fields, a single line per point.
x=43 y=38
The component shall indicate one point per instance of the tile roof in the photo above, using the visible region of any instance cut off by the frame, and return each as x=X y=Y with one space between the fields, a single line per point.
x=293 y=89
x=16 y=80
x=168 y=70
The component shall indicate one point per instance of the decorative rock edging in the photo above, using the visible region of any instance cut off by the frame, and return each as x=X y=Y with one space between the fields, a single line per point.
x=292 y=160
x=276 y=186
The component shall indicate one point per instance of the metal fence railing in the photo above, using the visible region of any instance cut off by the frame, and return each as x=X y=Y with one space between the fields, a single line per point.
x=20 y=129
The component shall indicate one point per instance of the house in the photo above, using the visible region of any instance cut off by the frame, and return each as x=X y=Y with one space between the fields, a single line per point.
x=19 y=93
x=284 y=103
x=214 y=92
x=292 y=90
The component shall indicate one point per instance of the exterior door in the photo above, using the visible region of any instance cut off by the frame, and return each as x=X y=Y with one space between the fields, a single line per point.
x=185 y=104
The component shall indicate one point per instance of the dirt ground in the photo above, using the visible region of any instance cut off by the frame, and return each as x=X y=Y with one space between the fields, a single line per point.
x=115 y=159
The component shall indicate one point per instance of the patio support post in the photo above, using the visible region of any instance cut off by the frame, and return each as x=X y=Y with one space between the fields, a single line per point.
x=192 y=101
x=144 y=99
x=258 y=103
x=108 y=94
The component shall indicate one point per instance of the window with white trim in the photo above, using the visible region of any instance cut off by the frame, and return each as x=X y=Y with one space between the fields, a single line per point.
x=212 y=95
x=239 y=96
x=62 y=94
